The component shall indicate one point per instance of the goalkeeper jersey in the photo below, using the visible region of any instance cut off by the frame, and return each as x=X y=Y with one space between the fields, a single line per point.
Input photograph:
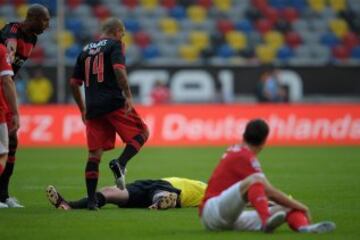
x=192 y=191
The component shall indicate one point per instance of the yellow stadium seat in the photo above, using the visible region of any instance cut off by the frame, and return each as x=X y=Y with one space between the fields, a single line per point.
x=65 y=39
x=21 y=10
x=128 y=39
x=223 y=5
x=317 y=5
x=189 y=52
x=265 y=53
x=149 y=4
x=196 y=13
x=199 y=39
x=338 y=5
x=339 y=27
x=169 y=26
x=2 y=22
x=274 y=39
x=236 y=40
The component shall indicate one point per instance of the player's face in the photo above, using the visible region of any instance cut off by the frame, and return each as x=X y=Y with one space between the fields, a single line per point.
x=41 y=23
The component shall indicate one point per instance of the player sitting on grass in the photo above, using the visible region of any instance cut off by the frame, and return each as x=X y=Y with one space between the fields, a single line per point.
x=154 y=194
x=238 y=179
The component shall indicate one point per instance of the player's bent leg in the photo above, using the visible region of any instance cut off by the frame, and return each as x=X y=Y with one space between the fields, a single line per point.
x=321 y=227
x=114 y=195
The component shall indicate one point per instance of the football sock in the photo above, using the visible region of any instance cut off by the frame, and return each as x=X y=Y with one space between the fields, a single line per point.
x=296 y=219
x=126 y=155
x=83 y=203
x=257 y=197
x=7 y=173
x=91 y=176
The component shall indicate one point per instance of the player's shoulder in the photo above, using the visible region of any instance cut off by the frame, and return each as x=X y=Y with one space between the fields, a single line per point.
x=11 y=27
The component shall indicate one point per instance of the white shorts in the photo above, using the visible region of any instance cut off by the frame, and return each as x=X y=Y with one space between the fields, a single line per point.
x=4 y=138
x=226 y=212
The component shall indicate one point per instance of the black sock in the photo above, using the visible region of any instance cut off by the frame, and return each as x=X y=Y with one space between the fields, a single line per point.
x=126 y=155
x=5 y=177
x=83 y=203
x=91 y=176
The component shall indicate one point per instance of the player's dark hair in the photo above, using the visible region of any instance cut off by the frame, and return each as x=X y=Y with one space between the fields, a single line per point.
x=256 y=132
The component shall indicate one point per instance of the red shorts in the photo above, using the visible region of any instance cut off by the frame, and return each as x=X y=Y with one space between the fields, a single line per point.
x=101 y=131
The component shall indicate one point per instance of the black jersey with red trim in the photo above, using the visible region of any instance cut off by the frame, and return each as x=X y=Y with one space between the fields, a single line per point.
x=25 y=43
x=95 y=69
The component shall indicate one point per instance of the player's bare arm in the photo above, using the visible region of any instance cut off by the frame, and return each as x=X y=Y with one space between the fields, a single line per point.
x=75 y=90
x=121 y=78
x=11 y=46
x=10 y=95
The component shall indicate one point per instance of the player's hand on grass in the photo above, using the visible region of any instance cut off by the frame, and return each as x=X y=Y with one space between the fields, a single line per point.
x=15 y=123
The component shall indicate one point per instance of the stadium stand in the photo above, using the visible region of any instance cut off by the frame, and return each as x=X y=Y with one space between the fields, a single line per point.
x=187 y=31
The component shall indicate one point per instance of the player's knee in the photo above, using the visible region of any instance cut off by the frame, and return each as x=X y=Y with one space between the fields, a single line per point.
x=257 y=178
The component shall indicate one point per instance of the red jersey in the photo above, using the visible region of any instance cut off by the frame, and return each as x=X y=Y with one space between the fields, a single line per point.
x=5 y=69
x=237 y=163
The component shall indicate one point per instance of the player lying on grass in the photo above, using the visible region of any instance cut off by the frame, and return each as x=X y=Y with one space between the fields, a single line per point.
x=154 y=194
x=238 y=179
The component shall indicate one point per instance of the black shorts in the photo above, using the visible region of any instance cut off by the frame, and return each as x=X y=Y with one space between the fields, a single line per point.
x=141 y=192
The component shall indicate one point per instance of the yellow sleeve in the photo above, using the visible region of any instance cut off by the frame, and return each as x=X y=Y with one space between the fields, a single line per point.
x=192 y=191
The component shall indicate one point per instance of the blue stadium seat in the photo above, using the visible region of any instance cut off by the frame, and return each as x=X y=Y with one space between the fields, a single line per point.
x=285 y=53
x=279 y=4
x=73 y=51
x=329 y=39
x=178 y=12
x=132 y=25
x=244 y=25
x=150 y=52
x=355 y=53
x=225 y=51
x=73 y=24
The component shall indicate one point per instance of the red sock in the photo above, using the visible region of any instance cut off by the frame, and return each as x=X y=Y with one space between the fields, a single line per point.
x=1 y=169
x=257 y=197
x=296 y=219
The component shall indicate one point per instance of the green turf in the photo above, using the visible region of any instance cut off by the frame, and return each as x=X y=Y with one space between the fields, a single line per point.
x=326 y=178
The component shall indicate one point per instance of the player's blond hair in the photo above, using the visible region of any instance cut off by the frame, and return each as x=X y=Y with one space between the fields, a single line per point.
x=111 y=25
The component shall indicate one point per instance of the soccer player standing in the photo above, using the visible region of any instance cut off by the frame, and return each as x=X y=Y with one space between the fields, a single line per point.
x=238 y=179
x=19 y=38
x=108 y=107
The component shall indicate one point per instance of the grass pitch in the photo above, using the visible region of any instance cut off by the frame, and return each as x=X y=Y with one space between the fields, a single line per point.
x=326 y=179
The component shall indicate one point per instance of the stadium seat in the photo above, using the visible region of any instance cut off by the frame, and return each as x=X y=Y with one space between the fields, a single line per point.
x=244 y=25
x=355 y=53
x=225 y=51
x=169 y=26
x=285 y=53
x=151 y=52
x=169 y=4
x=189 y=52
x=338 y=5
x=72 y=52
x=178 y=12
x=282 y=26
x=222 y=5
x=196 y=13
x=224 y=26
x=142 y=39
x=265 y=54
x=317 y=5
x=263 y=26
x=272 y=14
x=101 y=12
x=278 y=4
x=73 y=3
x=339 y=27
x=293 y=39
x=303 y=52
x=236 y=40
x=299 y=5
x=274 y=39
x=340 y=52
x=300 y=25
x=205 y=3
x=290 y=14
x=199 y=39
x=320 y=53
x=132 y=25
x=65 y=39
x=17 y=3
x=351 y=40
x=38 y=55
x=130 y=3
x=2 y=22
x=21 y=10
x=149 y=4
x=128 y=39
x=329 y=39
x=7 y=11
x=310 y=37
x=318 y=25
x=260 y=4
x=74 y=25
